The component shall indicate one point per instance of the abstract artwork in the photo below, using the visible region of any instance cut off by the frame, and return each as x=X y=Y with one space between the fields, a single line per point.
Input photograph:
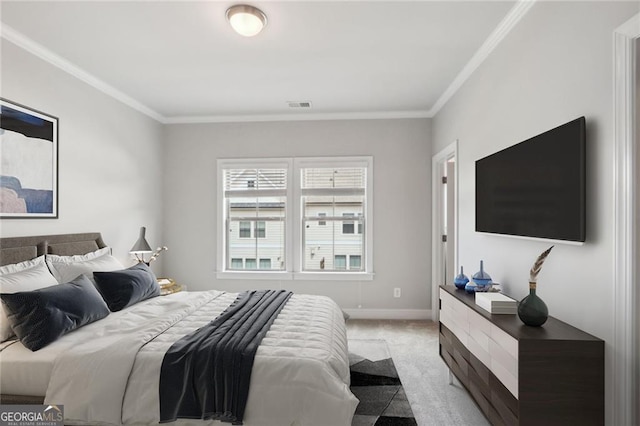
x=28 y=162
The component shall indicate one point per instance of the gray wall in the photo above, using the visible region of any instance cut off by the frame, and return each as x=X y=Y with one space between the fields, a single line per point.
x=109 y=156
x=554 y=66
x=401 y=153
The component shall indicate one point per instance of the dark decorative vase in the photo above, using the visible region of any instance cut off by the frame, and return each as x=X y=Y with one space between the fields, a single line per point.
x=532 y=310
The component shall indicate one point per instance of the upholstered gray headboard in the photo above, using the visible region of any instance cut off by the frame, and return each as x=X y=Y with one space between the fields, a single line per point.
x=18 y=249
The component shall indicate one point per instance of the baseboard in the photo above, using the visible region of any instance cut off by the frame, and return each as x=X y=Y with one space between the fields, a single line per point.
x=399 y=314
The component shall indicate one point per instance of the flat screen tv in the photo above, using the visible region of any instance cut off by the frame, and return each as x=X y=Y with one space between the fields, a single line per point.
x=535 y=188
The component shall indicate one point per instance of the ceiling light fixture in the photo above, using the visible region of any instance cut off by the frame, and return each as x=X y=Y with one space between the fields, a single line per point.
x=246 y=20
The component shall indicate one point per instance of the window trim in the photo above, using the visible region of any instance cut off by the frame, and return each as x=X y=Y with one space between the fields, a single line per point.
x=293 y=219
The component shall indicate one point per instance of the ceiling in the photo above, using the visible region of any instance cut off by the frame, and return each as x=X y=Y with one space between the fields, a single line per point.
x=179 y=61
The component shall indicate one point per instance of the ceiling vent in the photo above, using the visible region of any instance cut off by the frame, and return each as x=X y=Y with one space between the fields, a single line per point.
x=305 y=104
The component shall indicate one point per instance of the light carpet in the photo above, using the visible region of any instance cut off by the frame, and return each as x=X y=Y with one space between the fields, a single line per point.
x=414 y=348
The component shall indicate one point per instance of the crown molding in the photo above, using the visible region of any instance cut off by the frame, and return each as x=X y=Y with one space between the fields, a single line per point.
x=377 y=115
x=45 y=54
x=504 y=27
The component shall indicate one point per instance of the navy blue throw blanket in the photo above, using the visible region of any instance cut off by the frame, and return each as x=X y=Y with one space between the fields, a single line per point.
x=206 y=374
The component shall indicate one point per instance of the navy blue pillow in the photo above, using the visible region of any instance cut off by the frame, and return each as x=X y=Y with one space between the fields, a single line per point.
x=42 y=316
x=127 y=287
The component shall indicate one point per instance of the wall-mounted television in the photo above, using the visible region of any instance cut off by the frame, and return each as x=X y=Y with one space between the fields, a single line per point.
x=536 y=188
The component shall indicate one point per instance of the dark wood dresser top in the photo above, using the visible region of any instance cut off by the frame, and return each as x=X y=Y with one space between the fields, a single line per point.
x=553 y=329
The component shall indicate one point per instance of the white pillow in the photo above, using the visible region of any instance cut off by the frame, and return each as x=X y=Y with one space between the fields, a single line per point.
x=67 y=268
x=24 y=276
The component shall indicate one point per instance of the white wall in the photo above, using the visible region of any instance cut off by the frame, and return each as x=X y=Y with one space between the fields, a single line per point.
x=554 y=66
x=637 y=225
x=109 y=156
x=401 y=153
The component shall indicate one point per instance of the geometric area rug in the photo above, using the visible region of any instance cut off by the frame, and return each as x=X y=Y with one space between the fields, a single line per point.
x=375 y=382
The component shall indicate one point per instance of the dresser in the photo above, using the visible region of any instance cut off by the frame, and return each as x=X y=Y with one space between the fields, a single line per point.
x=521 y=375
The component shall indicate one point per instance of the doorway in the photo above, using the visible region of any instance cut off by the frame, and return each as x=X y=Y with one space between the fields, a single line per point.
x=444 y=234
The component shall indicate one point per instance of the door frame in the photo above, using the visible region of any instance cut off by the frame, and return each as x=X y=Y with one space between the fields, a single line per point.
x=625 y=223
x=437 y=220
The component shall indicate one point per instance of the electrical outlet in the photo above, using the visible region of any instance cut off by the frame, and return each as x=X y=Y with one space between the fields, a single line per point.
x=396 y=292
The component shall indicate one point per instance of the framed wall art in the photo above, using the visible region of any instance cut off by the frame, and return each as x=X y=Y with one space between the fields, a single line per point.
x=28 y=162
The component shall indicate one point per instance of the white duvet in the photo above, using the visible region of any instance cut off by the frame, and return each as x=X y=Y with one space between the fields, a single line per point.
x=300 y=375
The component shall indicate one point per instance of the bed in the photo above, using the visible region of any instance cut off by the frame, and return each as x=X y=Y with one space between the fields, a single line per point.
x=108 y=371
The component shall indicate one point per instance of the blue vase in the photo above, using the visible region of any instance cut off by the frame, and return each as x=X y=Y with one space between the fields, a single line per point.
x=482 y=279
x=470 y=287
x=532 y=310
x=461 y=279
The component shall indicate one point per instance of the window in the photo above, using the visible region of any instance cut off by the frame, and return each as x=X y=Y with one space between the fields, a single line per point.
x=340 y=262
x=335 y=196
x=254 y=203
x=295 y=218
x=265 y=263
x=347 y=225
x=261 y=229
x=245 y=229
x=355 y=262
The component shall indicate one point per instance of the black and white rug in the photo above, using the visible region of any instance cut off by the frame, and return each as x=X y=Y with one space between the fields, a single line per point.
x=375 y=382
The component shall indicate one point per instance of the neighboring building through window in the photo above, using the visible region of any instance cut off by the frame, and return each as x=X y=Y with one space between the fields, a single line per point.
x=236 y=263
x=336 y=196
x=254 y=204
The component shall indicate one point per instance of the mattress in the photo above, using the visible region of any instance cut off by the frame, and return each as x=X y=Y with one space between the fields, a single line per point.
x=300 y=374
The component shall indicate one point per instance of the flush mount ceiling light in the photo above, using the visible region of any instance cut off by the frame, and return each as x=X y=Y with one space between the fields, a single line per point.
x=246 y=20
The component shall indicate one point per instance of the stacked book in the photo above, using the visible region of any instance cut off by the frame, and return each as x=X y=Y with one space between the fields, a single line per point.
x=168 y=286
x=166 y=282
x=496 y=303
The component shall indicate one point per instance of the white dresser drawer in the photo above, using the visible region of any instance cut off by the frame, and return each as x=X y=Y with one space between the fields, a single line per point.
x=496 y=349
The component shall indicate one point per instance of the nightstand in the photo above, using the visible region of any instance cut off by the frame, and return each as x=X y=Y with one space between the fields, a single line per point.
x=168 y=286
